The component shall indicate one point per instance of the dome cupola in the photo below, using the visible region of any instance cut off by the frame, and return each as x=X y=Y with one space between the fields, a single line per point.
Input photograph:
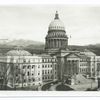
x=56 y=24
x=56 y=38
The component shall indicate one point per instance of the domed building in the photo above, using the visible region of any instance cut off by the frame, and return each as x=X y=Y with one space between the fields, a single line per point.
x=21 y=69
x=27 y=70
x=56 y=38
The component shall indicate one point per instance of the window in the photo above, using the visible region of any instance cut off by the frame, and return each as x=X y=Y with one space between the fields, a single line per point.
x=28 y=66
x=42 y=71
x=16 y=67
x=42 y=66
x=38 y=73
x=28 y=73
x=92 y=69
x=24 y=80
x=24 y=60
x=48 y=77
x=45 y=66
x=33 y=79
x=16 y=75
x=33 y=66
x=45 y=71
x=43 y=60
x=24 y=67
x=39 y=66
x=49 y=60
x=23 y=74
x=39 y=79
x=51 y=65
x=29 y=80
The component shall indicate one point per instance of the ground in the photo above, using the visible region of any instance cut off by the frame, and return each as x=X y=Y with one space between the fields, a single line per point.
x=51 y=86
x=63 y=87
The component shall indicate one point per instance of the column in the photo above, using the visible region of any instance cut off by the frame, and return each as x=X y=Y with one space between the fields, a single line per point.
x=53 y=44
x=57 y=43
x=49 y=43
x=60 y=43
x=62 y=68
x=66 y=42
x=46 y=43
x=71 y=67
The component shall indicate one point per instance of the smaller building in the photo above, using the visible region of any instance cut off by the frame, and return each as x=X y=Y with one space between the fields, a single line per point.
x=22 y=69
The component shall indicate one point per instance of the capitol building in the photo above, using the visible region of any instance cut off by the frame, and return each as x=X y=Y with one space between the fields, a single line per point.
x=19 y=68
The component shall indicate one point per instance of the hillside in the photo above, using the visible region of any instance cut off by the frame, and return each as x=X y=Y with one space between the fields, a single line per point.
x=31 y=46
x=38 y=47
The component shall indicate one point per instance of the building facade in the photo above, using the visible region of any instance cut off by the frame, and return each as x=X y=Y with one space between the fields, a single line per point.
x=22 y=69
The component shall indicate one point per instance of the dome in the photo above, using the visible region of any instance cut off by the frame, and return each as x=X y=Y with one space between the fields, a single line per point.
x=56 y=24
x=89 y=53
x=18 y=53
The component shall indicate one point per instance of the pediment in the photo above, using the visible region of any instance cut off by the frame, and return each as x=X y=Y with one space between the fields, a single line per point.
x=72 y=55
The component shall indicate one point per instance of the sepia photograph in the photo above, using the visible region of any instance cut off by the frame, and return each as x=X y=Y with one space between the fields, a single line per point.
x=49 y=47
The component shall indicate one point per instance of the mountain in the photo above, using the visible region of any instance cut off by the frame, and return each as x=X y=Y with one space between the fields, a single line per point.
x=31 y=46
x=38 y=47
x=23 y=43
x=95 y=48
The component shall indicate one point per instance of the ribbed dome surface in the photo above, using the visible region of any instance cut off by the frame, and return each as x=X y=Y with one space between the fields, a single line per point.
x=18 y=53
x=56 y=25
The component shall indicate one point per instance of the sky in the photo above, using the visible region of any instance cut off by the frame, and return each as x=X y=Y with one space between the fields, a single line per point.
x=30 y=22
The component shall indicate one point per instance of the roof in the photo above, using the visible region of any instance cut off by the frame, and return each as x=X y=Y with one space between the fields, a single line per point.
x=88 y=53
x=56 y=24
x=45 y=55
x=18 y=53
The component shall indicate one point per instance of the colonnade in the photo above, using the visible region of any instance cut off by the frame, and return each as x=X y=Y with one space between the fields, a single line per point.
x=56 y=43
x=72 y=67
